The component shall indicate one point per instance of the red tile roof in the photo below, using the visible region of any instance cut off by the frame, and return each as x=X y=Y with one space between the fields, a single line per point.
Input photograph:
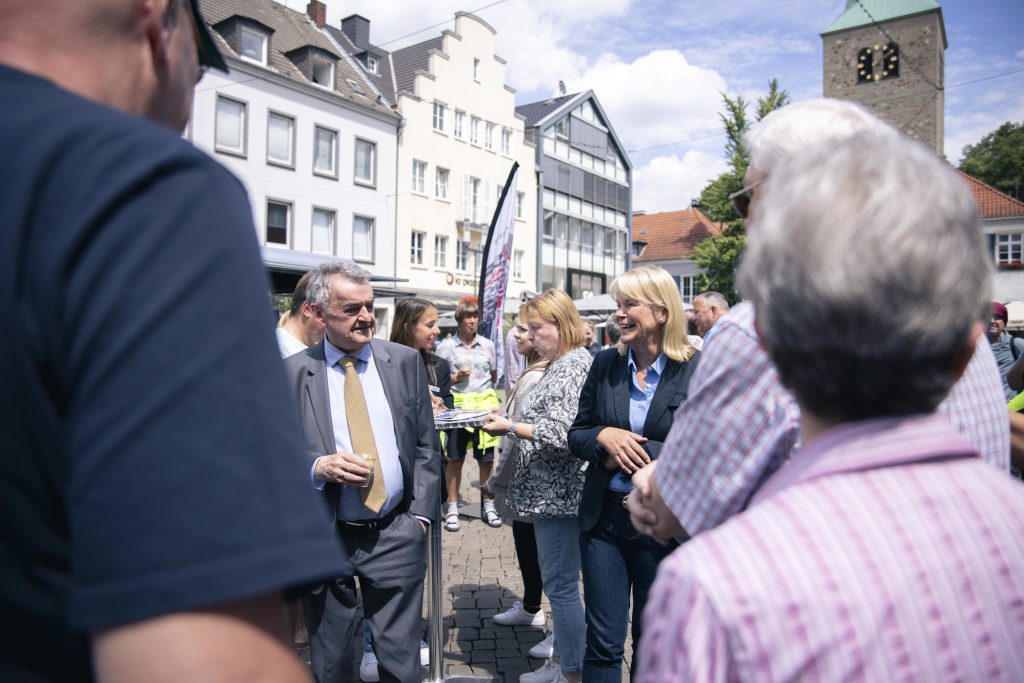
x=991 y=202
x=672 y=235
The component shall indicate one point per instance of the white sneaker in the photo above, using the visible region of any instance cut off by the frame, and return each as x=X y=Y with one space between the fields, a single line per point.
x=548 y=673
x=368 y=668
x=544 y=648
x=424 y=654
x=517 y=616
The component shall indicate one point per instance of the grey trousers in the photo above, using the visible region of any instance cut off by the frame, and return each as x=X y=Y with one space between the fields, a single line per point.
x=391 y=565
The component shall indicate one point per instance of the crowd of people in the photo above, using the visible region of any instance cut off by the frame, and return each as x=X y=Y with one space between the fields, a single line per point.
x=821 y=491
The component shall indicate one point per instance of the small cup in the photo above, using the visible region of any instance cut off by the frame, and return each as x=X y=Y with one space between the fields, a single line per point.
x=368 y=461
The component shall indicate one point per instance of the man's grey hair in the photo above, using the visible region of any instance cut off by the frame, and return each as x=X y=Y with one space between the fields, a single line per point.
x=789 y=130
x=714 y=299
x=867 y=269
x=318 y=291
x=611 y=328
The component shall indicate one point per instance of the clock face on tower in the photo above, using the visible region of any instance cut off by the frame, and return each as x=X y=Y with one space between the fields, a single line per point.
x=879 y=62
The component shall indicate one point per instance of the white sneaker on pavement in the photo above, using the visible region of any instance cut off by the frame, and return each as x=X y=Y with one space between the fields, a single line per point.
x=516 y=615
x=548 y=673
x=368 y=668
x=544 y=648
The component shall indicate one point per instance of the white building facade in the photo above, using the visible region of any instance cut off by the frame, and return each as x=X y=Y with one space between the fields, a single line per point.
x=460 y=137
x=307 y=135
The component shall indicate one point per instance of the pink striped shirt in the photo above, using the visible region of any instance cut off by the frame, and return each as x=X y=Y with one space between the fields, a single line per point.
x=884 y=551
x=739 y=424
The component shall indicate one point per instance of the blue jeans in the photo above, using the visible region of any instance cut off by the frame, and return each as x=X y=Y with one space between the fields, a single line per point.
x=558 y=549
x=615 y=558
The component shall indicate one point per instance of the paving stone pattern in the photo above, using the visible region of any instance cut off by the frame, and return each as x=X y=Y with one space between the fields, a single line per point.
x=481 y=578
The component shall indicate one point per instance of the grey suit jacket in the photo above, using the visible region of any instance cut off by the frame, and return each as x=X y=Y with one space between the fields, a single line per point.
x=405 y=385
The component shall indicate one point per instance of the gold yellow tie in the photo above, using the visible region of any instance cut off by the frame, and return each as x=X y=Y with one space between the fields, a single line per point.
x=361 y=433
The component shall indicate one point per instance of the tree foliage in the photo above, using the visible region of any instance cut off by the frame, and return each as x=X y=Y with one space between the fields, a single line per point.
x=998 y=159
x=719 y=256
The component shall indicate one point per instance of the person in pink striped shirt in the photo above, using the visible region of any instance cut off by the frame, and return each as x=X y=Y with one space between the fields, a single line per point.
x=886 y=548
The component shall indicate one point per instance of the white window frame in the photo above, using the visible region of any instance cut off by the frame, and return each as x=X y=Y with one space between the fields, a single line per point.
x=372 y=147
x=462 y=256
x=440 y=113
x=442 y=182
x=459 y=125
x=506 y=141
x=475 y=199
x=331 y=172
x=243 y=128
x=287 y=161
x=1009 y=249
x=474 y=131
x=332 y=217
x=417 y=238
x=688 y=288
x=440 y=251
x=288 y=218
x=371 y=224
x=419 y=176
x=489 y=135
x=520 y=203
x=518 y=256
x=252 y=33
x=372 y=64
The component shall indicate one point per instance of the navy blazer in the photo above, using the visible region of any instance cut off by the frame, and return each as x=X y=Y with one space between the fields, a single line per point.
x=604 y=402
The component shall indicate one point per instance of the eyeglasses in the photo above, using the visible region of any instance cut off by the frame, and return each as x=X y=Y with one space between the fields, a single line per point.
x=741 y=199
x=353 y=309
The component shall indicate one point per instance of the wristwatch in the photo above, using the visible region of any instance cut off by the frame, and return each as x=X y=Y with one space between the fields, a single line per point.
x=512 y=424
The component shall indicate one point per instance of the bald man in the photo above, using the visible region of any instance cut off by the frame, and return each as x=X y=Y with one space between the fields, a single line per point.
x=152 y=502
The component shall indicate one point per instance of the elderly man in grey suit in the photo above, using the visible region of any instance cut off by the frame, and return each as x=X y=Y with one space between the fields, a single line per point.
x=369 y=428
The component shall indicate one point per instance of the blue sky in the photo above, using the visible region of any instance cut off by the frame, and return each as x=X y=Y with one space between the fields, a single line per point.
x=658 y=66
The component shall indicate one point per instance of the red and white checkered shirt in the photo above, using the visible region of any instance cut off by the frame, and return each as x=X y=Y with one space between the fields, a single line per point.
x=739 y=424
x=885 y=550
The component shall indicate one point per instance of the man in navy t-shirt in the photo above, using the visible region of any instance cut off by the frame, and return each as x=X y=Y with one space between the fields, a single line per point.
x=153 y=503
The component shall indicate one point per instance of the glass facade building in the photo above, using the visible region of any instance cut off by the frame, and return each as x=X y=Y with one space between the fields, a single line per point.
x=585 y=204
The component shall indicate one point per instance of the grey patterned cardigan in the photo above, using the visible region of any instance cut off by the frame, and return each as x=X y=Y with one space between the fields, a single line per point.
x=546 y=477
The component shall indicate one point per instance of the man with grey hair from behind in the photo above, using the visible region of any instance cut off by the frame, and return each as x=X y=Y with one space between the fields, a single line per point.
x=739 y=424
x=885 y=542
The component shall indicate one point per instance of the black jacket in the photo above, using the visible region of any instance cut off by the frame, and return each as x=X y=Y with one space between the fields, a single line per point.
x=604 y=402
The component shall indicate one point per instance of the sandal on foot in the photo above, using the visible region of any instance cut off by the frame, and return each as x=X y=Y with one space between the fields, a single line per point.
x=492 y=518
x=451 y=521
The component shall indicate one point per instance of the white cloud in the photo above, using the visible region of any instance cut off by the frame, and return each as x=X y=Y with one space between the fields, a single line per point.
x=668 y=183
x=658 y=98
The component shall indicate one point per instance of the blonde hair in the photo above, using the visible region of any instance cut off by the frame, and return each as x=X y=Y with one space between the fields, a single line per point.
x=555 y=306
x=653 y=285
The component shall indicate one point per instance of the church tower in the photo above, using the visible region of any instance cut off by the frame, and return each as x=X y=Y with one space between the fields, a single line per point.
x=888 y=55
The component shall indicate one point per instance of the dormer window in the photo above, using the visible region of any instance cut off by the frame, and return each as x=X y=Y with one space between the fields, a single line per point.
x=254 y=45
x=323 y=73
x=372 y=65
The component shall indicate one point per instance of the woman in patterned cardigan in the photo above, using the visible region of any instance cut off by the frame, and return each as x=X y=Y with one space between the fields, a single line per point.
x=546 y=478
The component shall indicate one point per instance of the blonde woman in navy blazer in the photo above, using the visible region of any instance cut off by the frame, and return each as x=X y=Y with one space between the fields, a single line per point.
x=625 y=412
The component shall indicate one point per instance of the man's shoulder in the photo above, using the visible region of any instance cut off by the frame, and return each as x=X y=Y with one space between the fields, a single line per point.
x=484 y=342
x=305 y=358
x=393 y=349
x=84 y=141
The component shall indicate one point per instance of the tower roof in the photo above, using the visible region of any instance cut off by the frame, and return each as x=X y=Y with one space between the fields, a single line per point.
x=866 y=12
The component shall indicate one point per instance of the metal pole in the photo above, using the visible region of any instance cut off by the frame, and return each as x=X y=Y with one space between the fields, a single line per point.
x=435 y=619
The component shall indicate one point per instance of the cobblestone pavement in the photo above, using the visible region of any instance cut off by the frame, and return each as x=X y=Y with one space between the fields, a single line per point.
x=481 y=578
